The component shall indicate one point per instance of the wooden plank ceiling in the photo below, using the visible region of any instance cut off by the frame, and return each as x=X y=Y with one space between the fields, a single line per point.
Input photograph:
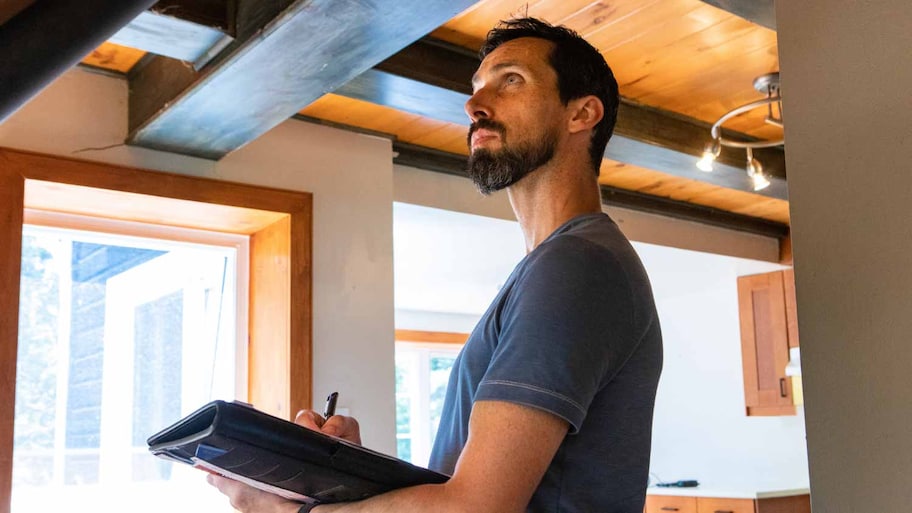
x=682 y=56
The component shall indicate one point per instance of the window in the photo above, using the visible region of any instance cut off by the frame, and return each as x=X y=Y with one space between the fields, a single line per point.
x=119 y=336
x=422 y=374
x=278 y=342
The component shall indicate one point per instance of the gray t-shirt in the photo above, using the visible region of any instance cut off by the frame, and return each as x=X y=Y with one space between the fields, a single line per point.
x=574 y=332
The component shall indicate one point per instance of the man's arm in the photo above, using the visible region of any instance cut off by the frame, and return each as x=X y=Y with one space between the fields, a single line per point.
x=508 y=450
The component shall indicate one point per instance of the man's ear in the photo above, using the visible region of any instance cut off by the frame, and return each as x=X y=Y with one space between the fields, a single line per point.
x=586 y=113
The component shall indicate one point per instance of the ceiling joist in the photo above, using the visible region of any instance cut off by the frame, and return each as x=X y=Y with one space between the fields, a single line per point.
x=189 y=30
x=449 y=163
x=432 y=79
x=307 y=50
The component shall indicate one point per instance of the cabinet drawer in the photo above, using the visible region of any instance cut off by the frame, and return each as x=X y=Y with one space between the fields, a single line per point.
x=713 y=505
x=670 y=504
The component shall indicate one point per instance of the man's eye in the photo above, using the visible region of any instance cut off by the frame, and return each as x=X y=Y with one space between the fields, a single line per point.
x=512 y=79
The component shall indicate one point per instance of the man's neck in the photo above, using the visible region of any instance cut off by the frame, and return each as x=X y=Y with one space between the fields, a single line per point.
x=549 y=197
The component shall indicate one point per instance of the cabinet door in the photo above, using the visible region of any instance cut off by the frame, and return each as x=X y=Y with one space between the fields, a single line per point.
x=764 y=344
x=714 y=505
x=791 y=306
x=670 y=504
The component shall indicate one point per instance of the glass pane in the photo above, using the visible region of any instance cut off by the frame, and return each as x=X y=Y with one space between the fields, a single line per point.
x=440 y=367
x=119 y=337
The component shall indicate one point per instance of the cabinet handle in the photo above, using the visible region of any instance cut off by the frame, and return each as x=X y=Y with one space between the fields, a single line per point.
x=783 y=389
x=668 y=508
x=724 y=511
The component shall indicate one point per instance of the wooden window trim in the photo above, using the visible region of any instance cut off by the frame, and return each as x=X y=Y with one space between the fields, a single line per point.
x=280 y=306
x=432 y=337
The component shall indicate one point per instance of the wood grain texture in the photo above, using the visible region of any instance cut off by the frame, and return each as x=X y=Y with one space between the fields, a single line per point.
x=724 y=505
x=450 y=137
x=791 y=306
x=113 y=57
x=12 y=185
x=764 y=344
x=683 y=56
x=434 y=337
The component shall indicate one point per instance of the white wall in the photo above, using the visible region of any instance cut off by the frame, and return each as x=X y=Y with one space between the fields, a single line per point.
x=701 y=431
x=847 y=90
x=350 y=176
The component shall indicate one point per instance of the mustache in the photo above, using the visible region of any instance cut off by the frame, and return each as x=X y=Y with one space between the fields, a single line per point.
x=486 y=124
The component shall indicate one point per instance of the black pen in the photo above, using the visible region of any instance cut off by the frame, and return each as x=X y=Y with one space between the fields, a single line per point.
x=330 y=409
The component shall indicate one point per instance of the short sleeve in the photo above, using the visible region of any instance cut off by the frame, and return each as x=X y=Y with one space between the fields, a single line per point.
x=565 y=330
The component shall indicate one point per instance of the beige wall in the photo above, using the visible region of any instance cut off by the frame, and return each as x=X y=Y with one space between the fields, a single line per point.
x=847 y=86
x=350 y=176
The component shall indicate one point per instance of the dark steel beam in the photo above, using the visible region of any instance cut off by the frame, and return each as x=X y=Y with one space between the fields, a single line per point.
x=431 y=78
x=51 y=36
x=189 y=30
x=449 y=163
x=309 y=49
x=761 y=12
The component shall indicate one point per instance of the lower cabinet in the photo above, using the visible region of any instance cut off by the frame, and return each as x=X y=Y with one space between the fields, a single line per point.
x=682 y=504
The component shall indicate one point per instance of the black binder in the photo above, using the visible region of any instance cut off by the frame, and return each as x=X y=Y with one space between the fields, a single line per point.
x=238 y=441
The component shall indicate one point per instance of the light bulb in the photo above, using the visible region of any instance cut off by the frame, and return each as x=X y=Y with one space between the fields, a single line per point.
x=710 y=152
x=706 y=163
x=759 y=181
x=755 y=172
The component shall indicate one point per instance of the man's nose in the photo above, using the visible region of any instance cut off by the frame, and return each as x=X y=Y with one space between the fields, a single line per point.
x=476 y=107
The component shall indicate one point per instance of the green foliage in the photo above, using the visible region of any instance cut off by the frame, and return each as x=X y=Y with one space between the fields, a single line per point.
x=36 y=379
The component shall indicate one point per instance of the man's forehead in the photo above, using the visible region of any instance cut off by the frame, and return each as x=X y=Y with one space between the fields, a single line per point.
x=523 y=51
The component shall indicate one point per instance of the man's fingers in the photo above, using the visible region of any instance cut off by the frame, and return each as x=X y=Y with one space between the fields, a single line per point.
x=343 y=427
x=310 y=419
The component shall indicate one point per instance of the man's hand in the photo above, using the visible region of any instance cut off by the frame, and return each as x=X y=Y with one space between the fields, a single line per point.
x=340 y=426
x=250 y=500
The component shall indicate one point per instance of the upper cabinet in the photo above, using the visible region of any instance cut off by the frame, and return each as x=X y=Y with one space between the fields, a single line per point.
x=769 y=327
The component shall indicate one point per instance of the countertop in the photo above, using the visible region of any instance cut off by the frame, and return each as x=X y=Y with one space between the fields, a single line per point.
x=727 y=492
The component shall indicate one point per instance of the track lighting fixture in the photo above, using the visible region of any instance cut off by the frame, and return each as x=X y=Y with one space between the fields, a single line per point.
x=768 y=84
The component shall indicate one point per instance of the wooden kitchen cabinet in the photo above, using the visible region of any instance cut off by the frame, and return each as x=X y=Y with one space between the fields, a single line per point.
x=769 y=327
x=687 y=504
x=670 y=504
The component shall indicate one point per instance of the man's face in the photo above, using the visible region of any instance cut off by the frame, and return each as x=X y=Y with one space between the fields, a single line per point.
x=516 y=114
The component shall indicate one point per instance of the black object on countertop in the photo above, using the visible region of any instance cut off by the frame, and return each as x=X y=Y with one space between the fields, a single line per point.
x=680 y=484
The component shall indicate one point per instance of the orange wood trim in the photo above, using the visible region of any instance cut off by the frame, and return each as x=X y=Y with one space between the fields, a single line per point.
x=785 y=250
x=434 y=337
x=270 y=326
x=50 y=168
x=791 y=306
x=17 y=167
x=12 y=190
x=771 y=411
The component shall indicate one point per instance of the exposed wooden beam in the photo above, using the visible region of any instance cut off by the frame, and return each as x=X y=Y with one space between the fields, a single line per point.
x=431 y=78
x=761 y=12
x=449 y=163
x=49 y=37
x=310 y=48
x=189 y=30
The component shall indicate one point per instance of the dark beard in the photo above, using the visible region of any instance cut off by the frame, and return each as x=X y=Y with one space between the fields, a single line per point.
x=492 y=171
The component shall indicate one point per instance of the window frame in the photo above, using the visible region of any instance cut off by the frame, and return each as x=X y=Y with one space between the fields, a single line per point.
x=280 y=280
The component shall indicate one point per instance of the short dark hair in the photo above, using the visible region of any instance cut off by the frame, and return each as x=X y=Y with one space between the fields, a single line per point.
x=581 y=71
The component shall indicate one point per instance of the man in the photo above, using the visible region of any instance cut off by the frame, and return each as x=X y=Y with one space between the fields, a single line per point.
x=549 y=406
